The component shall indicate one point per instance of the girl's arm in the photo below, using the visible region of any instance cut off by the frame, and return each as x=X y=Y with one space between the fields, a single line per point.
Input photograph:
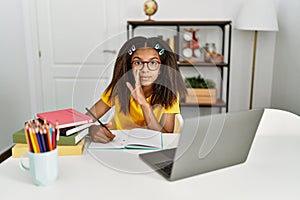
x=167 y=122
x=97 y=132
x=99 y=109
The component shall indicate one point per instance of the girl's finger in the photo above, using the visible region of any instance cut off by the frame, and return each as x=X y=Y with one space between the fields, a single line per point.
x=137 y=78
x=129 y=87
x=108 y=124
x=134 y=71
x=101 y=139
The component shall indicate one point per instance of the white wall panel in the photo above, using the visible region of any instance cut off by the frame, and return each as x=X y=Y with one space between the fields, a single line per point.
x=78 y=93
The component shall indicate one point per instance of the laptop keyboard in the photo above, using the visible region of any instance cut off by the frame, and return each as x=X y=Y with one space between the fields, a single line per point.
x=165 y=166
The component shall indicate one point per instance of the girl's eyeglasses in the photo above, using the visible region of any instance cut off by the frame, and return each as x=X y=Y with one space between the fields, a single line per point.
x=151 y=65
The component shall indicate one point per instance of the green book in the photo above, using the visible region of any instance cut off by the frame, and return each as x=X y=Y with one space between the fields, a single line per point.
x=19 y=137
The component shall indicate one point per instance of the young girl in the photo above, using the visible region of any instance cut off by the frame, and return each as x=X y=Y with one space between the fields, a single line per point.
x=145 y=89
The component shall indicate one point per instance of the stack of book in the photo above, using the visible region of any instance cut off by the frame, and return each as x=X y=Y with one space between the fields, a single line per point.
x=72 y=126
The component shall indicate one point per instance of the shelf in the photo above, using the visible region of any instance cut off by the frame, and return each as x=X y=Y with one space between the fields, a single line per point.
x=219 y=103
x=221 y=29
x=202 y=64
x=135 y=23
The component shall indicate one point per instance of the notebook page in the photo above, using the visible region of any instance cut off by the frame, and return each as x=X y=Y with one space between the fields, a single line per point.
x=117 y=143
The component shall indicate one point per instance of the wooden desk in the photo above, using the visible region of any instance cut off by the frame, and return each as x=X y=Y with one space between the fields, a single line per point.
x=272 y=171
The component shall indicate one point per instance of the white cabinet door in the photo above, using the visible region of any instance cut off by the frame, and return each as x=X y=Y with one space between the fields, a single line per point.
x=76 y=54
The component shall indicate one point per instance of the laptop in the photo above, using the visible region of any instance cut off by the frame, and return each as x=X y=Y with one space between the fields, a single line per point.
x=206 y=144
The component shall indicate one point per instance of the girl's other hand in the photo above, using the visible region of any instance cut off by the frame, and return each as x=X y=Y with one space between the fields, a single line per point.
x=137 y=92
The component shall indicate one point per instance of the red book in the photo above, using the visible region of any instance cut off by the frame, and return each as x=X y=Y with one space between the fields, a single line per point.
x=65 y=118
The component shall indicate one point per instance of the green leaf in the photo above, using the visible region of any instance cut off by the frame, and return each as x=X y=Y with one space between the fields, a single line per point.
x=199 y=82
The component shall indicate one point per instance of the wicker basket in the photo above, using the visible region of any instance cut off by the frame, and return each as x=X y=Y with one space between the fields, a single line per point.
x=201 y=96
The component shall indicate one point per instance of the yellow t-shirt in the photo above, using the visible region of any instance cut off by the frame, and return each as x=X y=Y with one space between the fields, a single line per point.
x=135 y=118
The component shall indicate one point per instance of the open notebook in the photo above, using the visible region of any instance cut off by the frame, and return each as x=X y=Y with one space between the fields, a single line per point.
x=137 y=138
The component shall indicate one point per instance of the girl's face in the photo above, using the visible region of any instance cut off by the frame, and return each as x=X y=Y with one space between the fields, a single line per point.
x=147 y=61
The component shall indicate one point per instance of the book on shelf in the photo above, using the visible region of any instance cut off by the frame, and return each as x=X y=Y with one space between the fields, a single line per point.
x=62 y=150
x=19 y=137
x=65 y=118
x=137 y=138
x=173 y=43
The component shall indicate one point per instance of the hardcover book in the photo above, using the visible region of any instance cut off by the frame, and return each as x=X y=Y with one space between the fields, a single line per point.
x=62 y=150
x=73 y=129
x=65 y=118
x=19 y=137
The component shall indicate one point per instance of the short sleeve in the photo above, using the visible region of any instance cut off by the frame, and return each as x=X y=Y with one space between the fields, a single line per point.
x=175 y=108
x=105 y=98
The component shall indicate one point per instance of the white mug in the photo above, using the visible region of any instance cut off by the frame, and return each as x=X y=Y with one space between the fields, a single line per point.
x=43 y=167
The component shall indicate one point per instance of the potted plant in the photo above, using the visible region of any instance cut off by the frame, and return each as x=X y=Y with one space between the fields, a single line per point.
x=200 y=90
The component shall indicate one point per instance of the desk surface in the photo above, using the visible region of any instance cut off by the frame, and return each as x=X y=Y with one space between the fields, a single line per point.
x=271 y=172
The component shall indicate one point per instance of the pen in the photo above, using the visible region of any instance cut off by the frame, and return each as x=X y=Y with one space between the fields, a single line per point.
x=103 y=125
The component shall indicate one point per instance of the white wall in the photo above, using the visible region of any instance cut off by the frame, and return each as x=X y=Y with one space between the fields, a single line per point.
x=286 y=82
x=16 y=105
x=14 y=92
